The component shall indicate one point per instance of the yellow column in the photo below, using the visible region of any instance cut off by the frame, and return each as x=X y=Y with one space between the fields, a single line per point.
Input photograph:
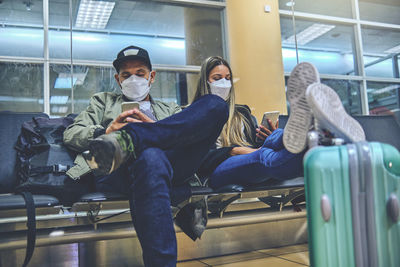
x=256 y=55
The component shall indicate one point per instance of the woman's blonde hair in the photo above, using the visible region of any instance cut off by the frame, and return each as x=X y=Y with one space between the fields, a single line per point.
x=233 y=132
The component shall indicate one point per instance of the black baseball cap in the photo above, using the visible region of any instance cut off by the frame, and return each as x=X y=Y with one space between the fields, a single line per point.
x=129 y=53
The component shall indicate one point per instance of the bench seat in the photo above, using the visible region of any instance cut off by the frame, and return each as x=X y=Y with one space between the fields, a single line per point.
x=97 y=208
x=12 y=201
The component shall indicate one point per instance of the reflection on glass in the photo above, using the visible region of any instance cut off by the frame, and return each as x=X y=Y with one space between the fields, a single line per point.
x=105 y=47
x=378 y=66
x=381 y=11
x=21 y=87
x=21 y=21
x=165 y=86
x=397 y=67
x=381 y=51
x=383 y=98
x=338 y=8
x=88 y=80
x=14 y=41
x=328 y=46
x=28 y=12
x=349 y=93
x=173 y=34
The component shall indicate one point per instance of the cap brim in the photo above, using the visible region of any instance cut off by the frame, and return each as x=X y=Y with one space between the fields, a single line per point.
x=117 y=63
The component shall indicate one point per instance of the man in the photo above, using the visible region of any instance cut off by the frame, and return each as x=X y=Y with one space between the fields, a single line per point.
x=142 y=152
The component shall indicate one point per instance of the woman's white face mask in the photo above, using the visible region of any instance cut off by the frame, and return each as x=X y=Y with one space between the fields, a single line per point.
x=136 y=88
x=221 y=88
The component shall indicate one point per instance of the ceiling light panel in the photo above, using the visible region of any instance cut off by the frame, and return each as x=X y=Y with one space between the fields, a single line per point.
x=94 y=14
x=313 y=32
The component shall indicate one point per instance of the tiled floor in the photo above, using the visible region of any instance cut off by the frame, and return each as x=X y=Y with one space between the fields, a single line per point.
x=290 y=256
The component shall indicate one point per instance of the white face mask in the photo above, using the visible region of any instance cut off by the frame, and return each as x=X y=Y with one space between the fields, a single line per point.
x=136 y=88
x=221 y=88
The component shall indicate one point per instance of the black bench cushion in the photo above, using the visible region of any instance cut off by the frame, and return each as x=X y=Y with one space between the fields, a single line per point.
x=11 y=126
x=269 y=184
x=385 y=129
x=11 y=201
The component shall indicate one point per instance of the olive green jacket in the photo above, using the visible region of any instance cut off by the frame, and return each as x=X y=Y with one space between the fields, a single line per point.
x=90 y=123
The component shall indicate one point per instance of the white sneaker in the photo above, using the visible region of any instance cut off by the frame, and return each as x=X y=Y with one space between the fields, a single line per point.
x=327 y=108
x=300 y=117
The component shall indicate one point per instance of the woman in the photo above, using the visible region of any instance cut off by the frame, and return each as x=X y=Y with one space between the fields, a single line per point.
x=244 y=154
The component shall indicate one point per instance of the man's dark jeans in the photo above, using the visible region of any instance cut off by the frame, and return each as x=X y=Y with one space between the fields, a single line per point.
x=168 y=152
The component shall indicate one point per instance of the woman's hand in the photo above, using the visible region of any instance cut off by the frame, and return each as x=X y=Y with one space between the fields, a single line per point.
x=263 y=132
x=133 y=115
x=241 y=150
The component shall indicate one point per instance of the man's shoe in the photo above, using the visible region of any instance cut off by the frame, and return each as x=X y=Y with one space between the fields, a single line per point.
x=108 y=152
x=193 y=218
x=300 y=117
x=330 y=114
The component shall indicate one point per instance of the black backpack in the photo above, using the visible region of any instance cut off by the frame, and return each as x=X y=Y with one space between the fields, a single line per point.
x=41 y=165
x=43 y=159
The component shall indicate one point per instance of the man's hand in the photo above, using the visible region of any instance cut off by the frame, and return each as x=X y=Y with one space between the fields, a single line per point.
x=133 y=115
x=140 y=116
x=263 y=132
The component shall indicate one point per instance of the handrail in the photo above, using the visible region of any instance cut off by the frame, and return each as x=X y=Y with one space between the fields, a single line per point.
x=124 y=230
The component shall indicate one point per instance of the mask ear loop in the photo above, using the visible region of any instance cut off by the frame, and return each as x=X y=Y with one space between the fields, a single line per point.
x=149 y=84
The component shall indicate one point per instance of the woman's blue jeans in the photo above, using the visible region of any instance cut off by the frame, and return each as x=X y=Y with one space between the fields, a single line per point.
x=168 y=152
x=271 y=160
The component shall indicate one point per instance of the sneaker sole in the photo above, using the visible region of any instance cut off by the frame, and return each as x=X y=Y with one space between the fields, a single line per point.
x=331 y=115
x=102 y=159
x=298 y=125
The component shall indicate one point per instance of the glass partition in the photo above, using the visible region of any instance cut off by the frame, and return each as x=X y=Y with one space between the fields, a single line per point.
x=381 y=51
x=383 y=98
x=330 y=47
x=21 y=87
x=386 y=11
x=338 y=8
x=21 y=21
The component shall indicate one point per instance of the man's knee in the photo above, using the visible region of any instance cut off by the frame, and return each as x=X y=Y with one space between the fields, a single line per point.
x=217 y=107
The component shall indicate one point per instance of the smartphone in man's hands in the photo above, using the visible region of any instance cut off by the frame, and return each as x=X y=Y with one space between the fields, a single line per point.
x=129 y=105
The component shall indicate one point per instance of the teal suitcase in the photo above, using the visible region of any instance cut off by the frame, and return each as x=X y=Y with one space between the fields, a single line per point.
x=352 y=195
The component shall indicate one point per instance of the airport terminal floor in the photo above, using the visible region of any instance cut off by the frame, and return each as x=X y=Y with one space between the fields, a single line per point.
x=288 y=256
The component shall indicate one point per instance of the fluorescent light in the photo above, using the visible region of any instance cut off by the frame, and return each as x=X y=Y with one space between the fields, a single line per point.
x=64 y=82
x=174 y=44
x=59 y=109
x=59 y=99
x=85 y=38
x=385 y=89
x=288 y=53
x=313 y=32
x=290 y=3
x=19 y=99
x=393 y=50
x=94 y=14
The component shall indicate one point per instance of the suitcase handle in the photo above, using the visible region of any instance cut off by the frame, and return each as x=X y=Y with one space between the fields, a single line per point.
x=393 y=208
x=326 y=209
